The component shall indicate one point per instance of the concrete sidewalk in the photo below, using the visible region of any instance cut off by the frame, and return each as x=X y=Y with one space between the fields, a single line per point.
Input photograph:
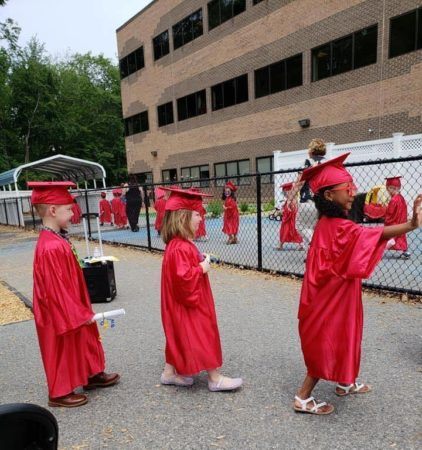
x=257 y=319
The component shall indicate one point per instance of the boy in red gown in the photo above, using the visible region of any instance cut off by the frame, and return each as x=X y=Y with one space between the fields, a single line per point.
x=397 y=213
x=341 y=254
x=70 y=344
x=104 y=208
x=187 y=305
x=77 y=212
x=288 y=231
x=231 y=213
x=118 y=209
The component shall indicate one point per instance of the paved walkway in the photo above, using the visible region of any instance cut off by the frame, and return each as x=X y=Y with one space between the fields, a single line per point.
x=257 y=318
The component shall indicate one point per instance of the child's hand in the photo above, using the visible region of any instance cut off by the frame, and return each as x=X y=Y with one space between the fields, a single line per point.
x=417 y=212
x=91 y=321
x=205 y=264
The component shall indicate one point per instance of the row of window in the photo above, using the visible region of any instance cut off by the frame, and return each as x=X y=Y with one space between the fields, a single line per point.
x=347 y=53
x=199 y=175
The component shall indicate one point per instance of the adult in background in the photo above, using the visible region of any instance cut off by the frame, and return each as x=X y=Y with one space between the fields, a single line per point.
x=133 y=203
x=316 y=153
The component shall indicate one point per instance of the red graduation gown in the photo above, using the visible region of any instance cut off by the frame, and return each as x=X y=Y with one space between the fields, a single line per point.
x=105 y=211
x=71 y=351
x=288 y=231
x=159 y=206
x=187 y=311
x=201 y=231
x=117 y=209
x=331 y=311
x=77 y=213
x=397 y=214
x=231 y=216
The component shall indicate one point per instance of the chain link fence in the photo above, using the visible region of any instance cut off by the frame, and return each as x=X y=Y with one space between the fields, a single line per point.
x=260 y=201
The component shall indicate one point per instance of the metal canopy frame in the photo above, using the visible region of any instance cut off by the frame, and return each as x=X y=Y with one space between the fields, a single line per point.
x=62 y=166
x=65 y=167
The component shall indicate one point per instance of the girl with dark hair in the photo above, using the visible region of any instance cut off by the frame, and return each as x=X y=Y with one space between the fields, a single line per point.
x=341 y=254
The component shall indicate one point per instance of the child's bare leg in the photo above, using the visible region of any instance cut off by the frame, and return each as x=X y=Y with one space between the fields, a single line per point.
x=305 y=392
x=169 y=370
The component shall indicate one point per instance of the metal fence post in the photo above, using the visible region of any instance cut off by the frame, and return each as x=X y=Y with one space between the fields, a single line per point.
x=5 y=212
x=87 y=214
x=147 y=216
x=33 y=216
x=258 y=219
x=18 y=213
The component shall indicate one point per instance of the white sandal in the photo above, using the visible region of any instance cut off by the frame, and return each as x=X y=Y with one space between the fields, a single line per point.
x=357 y=388
x=314 y=409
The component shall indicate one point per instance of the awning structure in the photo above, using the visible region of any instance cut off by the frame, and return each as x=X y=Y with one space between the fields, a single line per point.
x=59 y=166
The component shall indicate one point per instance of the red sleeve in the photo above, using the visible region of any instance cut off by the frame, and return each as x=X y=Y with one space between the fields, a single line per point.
x=356 y=250
x=62 y=292
x=186 y=277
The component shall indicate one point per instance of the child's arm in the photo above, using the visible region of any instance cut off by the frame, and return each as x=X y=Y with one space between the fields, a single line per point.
x=392 y=231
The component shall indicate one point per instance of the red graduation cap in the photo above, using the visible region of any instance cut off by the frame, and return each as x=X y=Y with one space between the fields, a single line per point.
x=328 y=173
x=231 y=186
x=287 y=186
x=184 y=199
x=51 y=192
x=393 y=181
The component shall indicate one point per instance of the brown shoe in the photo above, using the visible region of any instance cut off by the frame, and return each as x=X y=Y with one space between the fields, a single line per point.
x=102 y=380
x=68 y=401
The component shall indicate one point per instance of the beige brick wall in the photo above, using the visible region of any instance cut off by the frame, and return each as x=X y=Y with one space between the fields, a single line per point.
x=385 y=97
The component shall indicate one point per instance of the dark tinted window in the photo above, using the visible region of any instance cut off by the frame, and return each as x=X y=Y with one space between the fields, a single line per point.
x=165 y=114
x=161 y=45
x=230 y=92
x=405 y=33
x=191 y=105
x=350 y=52
x=137 y=123
x=342 y=55
x=132 y=62
x=278 y=76
x=187 y=29
x=366 y=47
x=220 y=11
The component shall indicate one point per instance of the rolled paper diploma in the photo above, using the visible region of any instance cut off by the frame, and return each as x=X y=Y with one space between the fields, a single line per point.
x=109 y=314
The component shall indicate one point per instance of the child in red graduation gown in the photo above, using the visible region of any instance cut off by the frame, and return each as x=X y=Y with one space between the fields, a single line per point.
x=77 y=212
x=341 y=254
x=187 y=305
x=69 y=340
x=201 y=232
x=119 y=209
x=104 y=208
x=159 y=206
x=231 y=213
x=397 y=213
x=288 y=231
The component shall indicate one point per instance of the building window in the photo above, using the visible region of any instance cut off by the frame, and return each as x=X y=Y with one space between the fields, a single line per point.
x=144 y=177
x=265 y=165
x=230 y=92
x=219 y=11
x=191 y=105
x=279 y=76
x=187 y=29
x=169 y=175
x=132 y=62
x=232 y=169
x=161 y=45
x=347 y=53
x=406 y=33
x=200 y=173
x=165 y=114
x=136 y=124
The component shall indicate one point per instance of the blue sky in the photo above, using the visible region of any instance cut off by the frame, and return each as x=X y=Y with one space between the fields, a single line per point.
x=69 y=26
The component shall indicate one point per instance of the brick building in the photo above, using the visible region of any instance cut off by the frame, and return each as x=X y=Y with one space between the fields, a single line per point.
x=212 y=88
